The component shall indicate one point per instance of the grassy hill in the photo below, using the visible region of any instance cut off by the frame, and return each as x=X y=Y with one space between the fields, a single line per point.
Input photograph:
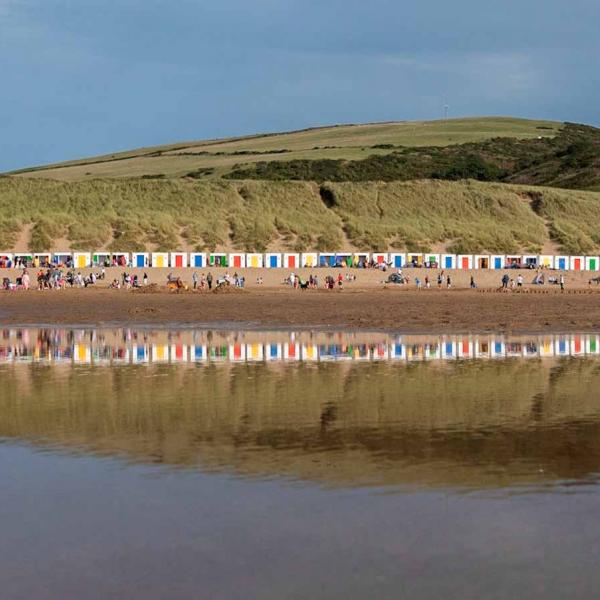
x=439 y=185
x=571 y=159
x=464 y=216
x=215 y=158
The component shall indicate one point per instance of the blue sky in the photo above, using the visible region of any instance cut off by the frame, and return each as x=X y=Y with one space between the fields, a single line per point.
x=85 y=77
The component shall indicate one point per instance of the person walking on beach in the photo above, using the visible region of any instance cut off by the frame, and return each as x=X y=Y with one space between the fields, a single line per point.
x=520 y=280
x=505 y=280
x=440 y=280
x=209 y=280
x=473 y=284
x=195 y=279
x=145 y=279
x=562 y=283
x=448 y=282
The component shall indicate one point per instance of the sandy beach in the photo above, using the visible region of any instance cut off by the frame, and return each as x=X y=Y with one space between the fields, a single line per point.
x=364 y=304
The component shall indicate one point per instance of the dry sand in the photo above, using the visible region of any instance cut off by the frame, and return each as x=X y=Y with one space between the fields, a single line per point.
x=365 y=304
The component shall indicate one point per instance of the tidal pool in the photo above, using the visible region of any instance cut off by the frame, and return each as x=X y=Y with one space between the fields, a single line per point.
x=139 y=463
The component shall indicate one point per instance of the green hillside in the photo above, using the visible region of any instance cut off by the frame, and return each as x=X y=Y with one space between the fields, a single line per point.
x=135 y=214
x=215 y=158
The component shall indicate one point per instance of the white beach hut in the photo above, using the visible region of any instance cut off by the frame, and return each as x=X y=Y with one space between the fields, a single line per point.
x=160 y=260
x=254 y=260
x=273 y=260
x=309 y=259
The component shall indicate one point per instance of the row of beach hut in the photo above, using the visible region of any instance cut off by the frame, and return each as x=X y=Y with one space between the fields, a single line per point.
x=238 y=260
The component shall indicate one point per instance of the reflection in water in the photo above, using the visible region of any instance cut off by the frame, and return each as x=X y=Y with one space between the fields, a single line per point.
x=297 y=406
x=125 y=346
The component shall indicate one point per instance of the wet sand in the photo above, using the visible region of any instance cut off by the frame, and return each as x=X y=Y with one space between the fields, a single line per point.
x=401 y=309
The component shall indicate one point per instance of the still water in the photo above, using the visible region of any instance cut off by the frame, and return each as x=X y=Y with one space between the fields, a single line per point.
x=224 y=464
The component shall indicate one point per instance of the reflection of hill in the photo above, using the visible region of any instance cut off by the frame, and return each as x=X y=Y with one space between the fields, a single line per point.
x=466 y=424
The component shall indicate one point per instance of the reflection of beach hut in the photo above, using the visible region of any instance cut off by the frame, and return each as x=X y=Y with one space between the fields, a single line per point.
x=140 y=259
x=217 y=259
x=291 y=351
x=310 y=352
x=254 y=352
x=481 y=261
x=577 y=263
x=561 y=346
x=99 y=259
x=218 y=353
x=309 y=259
x=380 y=257
x=237 y=260
x=546 y=346
x=273 y=351
x=530 y=261
x=291 y=261
x=448 y=349
x=497 y=261
x=592 y=263
x=465 y=261
x=139 y=354
x=179 y=353
x=592 y=344
x=82 y=260
x=254 y=261
x=464 y=348
x=326 y=259
x=160 y=353
x=577 y=345
x=237 y=352
x=497 y=349
x=6 y=260
x=198 y=260
x=273 y=260
x=483 y=348
x=397 y=259
x=82 y=353
x=561 y=263
x=448 y=261
x=178 y=260
x=59 y=258
x=546 y=261
x=160 y=260
x=198 y=353
x=432 y=260
x=397 y=351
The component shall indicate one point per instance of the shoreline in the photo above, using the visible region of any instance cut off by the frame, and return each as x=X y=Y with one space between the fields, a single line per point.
x=402 y=311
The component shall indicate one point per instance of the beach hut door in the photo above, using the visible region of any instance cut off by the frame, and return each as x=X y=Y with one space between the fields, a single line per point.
x=497 y=263
x=140 y=261
x=577 y=264
x=465 y=262
x=179 y=261
x=592 y=264
x=198 y=262
x=273 y=262
x=397 y=262
x=561 y=264
x=237 y=261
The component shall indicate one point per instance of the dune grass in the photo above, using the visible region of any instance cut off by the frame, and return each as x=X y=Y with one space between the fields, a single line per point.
x=138 y=214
